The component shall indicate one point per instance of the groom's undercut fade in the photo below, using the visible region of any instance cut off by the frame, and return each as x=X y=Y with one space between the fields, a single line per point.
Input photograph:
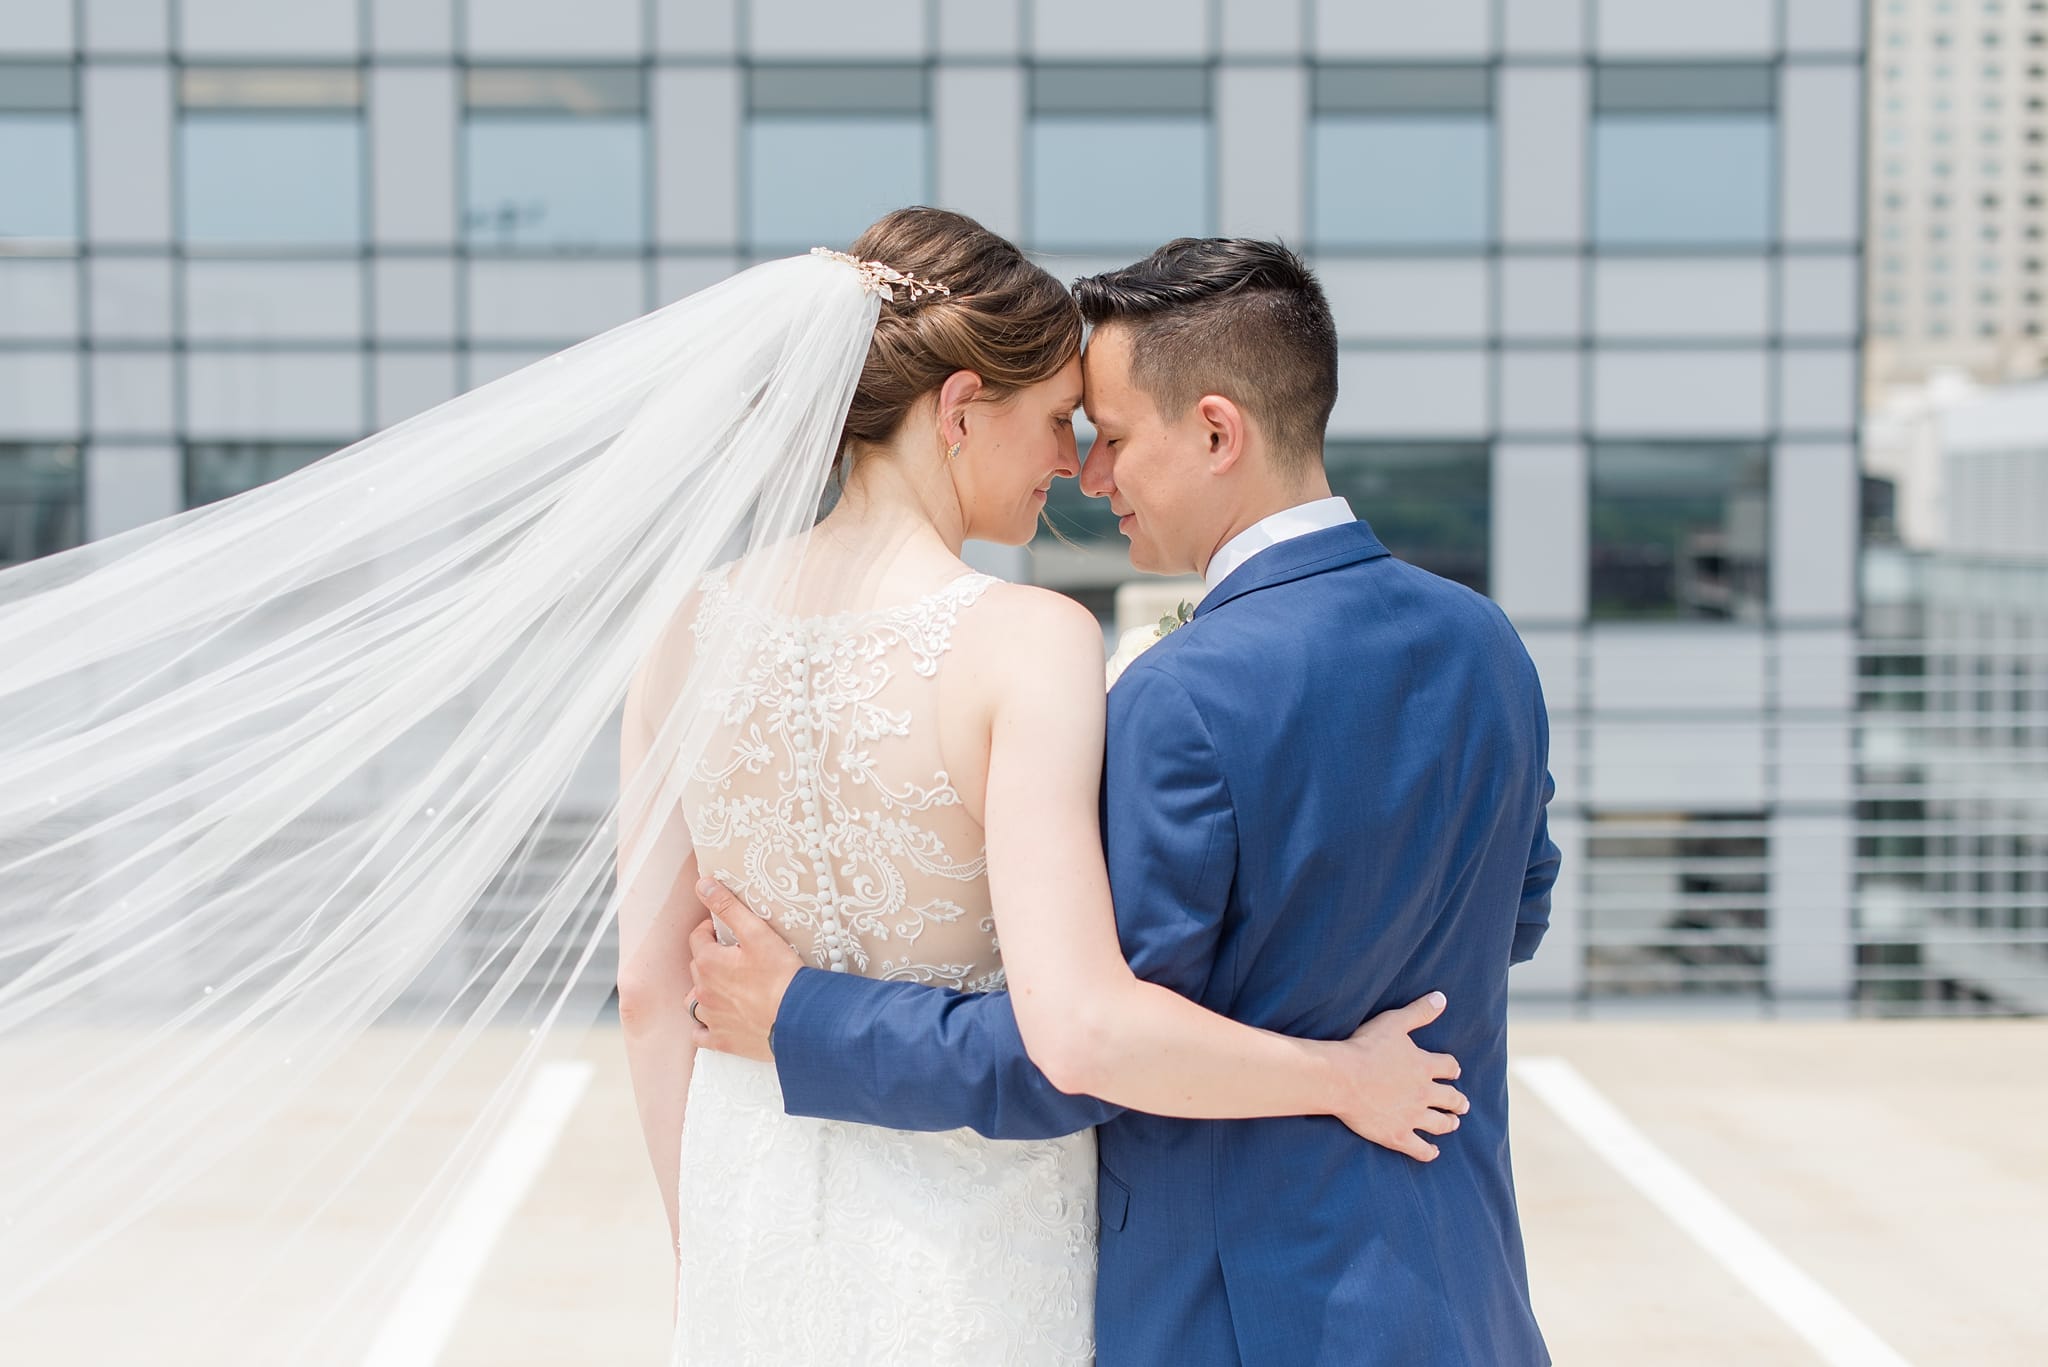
x=1232 y=316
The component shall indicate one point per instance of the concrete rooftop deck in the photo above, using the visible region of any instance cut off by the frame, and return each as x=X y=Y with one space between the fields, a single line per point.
x=1901 y=1167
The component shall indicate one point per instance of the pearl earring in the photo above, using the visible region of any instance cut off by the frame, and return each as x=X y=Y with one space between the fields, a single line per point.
x=953 y=450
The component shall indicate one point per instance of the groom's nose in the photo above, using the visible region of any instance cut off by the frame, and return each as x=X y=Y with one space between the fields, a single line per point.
x=1097 y=478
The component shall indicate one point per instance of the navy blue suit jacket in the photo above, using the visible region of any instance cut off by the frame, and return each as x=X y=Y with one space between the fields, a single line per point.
x=1322 y=798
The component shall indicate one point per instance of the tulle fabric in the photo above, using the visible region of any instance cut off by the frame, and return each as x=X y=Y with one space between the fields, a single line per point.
x=310 y=819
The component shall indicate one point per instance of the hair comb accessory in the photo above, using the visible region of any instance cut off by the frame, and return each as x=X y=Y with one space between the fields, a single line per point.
x=884 y=280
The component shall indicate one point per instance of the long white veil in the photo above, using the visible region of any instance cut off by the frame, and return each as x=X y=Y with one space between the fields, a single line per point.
x=307 y=797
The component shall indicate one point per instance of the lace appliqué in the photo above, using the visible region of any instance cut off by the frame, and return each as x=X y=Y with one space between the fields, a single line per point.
x=814 y=807
x=823 y=800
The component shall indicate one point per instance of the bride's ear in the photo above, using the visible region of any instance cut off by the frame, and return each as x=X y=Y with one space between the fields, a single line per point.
x=961 y=388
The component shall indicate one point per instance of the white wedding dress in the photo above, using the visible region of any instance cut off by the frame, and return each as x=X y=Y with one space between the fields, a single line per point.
x=825 y=797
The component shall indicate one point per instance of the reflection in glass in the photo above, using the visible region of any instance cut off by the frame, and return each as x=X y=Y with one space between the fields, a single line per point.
x=1680 y=530
x=1401 y=182
x=39 y=175
x=554 y=181
x=1702 y=180
x=560 y=90
x=1677 y=902
x=1428 y=502
x=217 y=470
x=819 y=181
x=1119 y=183
x=42 y=500
x=272 y=88
x=259 y=180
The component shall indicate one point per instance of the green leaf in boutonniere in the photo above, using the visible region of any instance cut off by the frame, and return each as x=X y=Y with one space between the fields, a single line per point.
x=1138 y=640
x=1175 y=620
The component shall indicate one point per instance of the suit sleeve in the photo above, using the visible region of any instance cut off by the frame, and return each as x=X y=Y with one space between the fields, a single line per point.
x=912 y=1057
x=1533 y=917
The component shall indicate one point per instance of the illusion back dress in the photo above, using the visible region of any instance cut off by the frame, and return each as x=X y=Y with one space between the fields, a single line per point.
x=823 y=802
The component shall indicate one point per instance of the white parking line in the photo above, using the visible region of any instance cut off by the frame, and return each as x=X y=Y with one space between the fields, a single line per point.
x=433 y=1300
x=1808 y=1310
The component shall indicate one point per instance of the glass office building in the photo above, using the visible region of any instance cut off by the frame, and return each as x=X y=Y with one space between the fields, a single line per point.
x=1596 y=265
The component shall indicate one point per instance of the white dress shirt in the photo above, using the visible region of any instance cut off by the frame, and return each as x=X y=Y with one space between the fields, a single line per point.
x=1284 y=525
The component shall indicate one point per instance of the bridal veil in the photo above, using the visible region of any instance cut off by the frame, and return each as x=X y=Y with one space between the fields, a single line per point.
x=296 y=816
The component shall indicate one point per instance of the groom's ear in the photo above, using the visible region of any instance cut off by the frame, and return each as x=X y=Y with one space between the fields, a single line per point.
x=1224 y=425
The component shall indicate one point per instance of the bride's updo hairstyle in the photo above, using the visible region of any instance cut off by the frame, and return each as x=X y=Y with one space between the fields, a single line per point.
x=1005 y=319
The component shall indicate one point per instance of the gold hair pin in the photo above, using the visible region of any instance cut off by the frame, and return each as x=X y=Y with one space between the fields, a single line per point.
x=877 y=278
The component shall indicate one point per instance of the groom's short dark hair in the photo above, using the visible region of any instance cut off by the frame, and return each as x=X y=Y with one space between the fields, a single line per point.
x=1232 y=316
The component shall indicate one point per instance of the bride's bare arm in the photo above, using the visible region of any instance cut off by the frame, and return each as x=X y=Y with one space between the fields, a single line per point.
x=1087 y=1020
x=657 y=912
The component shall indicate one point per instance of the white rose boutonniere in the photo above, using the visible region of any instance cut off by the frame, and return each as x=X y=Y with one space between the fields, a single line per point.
x=1138 y=640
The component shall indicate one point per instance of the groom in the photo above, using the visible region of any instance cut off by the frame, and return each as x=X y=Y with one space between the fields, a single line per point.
x=1323 y=797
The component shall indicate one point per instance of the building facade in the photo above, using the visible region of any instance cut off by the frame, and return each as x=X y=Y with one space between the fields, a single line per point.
x=1953 y=747
x=1958 y=190
x=1597 y=267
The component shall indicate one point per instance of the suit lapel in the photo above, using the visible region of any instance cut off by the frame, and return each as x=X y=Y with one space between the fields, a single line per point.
x=1297 y=558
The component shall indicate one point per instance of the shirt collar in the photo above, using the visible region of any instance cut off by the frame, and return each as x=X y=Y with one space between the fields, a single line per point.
x=1285 y=525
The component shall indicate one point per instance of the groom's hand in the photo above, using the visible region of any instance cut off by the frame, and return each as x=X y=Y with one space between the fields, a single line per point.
x=738 y=987
x=1391 y=1087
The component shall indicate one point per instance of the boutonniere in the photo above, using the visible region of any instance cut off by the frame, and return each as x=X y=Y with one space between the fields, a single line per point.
x=1138 y=640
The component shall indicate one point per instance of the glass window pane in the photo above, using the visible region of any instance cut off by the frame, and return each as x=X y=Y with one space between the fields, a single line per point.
x=42 y=501
x=38 y=175
x=1098 y=89
x=1641 y=89
x=819 y=182
x=1346 y=89
x=274 y=88
x=550 y=182
x=38 y=87
x=1402 y=181
x=1114 y=184
x=277 y=180
x=1680 y=530
x=1690 y=179
x=901 y=90
x=557 y=90
x=1428 y=502
x=217 y=470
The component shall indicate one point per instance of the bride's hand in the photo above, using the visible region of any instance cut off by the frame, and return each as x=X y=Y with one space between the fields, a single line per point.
x=1390 y=1087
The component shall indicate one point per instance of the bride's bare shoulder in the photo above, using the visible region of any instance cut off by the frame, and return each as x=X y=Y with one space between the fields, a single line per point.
x=658 y=676
x=1030 y=623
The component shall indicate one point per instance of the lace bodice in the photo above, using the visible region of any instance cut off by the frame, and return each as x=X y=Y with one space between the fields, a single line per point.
x=823 y=799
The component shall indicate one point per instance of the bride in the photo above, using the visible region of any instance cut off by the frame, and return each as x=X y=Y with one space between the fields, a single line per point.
x=902 y=740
